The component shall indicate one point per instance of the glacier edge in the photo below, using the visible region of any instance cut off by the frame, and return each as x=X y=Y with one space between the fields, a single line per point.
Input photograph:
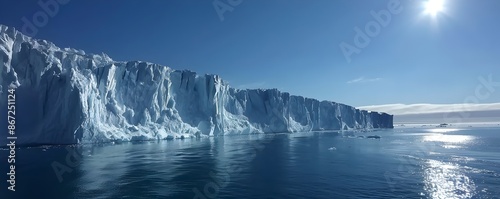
x=65 y=96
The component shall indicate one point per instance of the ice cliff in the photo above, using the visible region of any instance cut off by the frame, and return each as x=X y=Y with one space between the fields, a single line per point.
x=67 y=96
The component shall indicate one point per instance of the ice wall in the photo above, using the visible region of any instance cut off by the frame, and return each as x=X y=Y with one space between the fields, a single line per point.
x=67 y=96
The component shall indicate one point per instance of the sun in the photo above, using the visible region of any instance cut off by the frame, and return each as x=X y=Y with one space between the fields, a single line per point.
x=433 y=7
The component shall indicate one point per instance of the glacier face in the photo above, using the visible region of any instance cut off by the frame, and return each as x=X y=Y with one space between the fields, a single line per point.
x=66 y=96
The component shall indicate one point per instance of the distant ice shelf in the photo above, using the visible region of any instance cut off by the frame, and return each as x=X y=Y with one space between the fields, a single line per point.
x=66 y=96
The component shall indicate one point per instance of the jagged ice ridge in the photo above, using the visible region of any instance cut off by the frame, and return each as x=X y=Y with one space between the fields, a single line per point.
x=66 y=96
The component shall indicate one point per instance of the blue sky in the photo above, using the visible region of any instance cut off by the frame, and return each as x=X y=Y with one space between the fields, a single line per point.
x=293 y=45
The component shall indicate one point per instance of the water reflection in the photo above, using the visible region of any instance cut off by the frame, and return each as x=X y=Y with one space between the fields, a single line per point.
x=447 y=181
x=449 y=146
x=442 y=130
x=146 y=168
x=295 y=165
x=455 y=139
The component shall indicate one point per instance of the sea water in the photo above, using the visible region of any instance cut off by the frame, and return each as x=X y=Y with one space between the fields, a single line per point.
x=406 y=162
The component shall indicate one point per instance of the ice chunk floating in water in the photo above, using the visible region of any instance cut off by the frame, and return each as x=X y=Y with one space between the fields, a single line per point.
x=373 y=137
x=67 y=96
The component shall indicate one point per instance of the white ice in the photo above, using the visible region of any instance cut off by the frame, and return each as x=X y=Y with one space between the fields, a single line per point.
x=68 y=96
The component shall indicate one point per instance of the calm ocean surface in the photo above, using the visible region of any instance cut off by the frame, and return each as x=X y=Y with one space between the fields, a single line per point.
x=404 y=163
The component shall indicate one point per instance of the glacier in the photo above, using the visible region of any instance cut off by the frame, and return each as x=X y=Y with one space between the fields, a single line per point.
x=67 y=96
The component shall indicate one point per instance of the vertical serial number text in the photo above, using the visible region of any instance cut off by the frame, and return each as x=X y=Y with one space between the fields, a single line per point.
x=11 y=138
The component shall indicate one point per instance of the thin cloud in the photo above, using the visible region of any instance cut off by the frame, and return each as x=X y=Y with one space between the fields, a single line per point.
x=363 y=80
x=406 y=109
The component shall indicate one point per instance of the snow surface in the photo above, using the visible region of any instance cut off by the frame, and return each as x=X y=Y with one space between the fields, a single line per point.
x=67 y=96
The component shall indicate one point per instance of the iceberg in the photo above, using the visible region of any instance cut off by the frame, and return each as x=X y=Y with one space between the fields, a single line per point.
x=67 y=96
